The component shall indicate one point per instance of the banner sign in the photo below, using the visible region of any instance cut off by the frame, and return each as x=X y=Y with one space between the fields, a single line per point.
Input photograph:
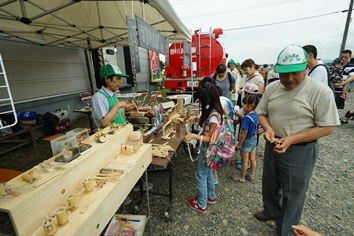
x=133 y=45
x=149 y=37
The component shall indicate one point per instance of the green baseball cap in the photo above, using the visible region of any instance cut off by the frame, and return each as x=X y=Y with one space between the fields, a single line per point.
x=291 y=59
x=107 y=70
x=232 y=62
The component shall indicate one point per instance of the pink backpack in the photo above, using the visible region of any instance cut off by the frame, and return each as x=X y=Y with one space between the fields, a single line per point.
x=221 y=149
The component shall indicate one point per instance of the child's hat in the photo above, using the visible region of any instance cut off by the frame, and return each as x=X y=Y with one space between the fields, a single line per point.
x=251 y=88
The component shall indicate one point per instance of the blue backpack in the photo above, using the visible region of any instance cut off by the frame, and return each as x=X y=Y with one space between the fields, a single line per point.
x=329 y=82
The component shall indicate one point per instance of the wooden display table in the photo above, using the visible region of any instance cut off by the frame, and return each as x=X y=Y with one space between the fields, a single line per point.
x=44 y=196
x=165 y=164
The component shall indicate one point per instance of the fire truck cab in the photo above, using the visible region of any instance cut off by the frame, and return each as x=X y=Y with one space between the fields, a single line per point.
x=206 y=53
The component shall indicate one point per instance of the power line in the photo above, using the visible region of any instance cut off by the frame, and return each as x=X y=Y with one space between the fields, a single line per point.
x=282 y=22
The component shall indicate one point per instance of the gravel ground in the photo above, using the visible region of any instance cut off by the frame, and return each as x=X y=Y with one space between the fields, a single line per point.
x=328 y=207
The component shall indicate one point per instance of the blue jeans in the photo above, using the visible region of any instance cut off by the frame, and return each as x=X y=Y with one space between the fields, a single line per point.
x=249 y=144
x=205 y=181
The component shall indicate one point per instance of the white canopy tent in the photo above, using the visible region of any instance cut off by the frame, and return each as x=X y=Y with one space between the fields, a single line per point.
x=86 y=24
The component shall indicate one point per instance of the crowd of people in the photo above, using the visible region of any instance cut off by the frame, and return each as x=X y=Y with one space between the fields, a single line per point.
x=311 y=92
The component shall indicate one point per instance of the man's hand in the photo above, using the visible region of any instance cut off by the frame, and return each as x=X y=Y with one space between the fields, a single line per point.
x=282 y=144
x=132 y=106
x=121 y=104
x=269 y=135
x=301 y=230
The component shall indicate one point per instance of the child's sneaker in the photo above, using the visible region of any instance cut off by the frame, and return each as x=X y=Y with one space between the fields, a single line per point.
x=194 y=205
x=211 y=201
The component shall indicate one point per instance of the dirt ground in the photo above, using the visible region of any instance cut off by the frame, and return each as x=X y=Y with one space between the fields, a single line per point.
x=328 y=207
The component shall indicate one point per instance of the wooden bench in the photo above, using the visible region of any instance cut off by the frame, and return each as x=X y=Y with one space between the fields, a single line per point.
x=13 y=141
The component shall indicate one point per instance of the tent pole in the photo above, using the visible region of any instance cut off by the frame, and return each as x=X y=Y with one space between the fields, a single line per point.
x=90 y=70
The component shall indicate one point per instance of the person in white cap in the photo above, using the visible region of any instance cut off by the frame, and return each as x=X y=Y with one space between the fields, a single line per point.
x=294 y=112
x=106 y=107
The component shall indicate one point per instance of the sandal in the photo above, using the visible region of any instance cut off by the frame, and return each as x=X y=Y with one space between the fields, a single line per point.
x=249 y=177
x=240 y=168
x=238 y=178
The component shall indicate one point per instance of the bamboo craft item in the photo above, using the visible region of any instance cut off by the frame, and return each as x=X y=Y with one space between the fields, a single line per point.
x=161 y=150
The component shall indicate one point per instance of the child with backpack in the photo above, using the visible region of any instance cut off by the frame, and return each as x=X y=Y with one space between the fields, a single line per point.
x=248 y=139
x=209 y=103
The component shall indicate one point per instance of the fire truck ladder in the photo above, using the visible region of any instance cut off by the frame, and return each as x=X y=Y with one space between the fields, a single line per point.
x=6 y=103
x=206 y=56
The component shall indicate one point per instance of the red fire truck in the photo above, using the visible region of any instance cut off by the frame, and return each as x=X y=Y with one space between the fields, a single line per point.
x=206 y=53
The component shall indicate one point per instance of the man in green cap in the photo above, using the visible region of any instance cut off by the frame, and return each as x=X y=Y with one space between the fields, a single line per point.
x=232 y=67
x=294 y=112
x=106 y=107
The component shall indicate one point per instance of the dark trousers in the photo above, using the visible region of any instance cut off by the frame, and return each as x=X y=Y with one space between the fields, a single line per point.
x=285 y=181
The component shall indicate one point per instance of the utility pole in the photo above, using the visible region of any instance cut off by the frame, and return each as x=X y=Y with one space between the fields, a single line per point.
x=342 y=46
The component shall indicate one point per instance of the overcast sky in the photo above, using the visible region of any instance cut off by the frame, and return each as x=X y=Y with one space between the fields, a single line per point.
x=264 y=43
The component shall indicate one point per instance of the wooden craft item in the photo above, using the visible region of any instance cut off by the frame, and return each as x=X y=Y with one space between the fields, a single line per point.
x=164 y=146
x=66 y=152
x=28 y=176
x=102 y=139
x=128 y=150
x=49 y=226
x=87 y=205
x=110 y=179
x=62 y=215
x=180 y=102
x=168 y=129
x=46 y=166
x=88 y=185
x=135 y=136
x=72 y=201
x=161 y=150
x=137 y=113
x=2 y=190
